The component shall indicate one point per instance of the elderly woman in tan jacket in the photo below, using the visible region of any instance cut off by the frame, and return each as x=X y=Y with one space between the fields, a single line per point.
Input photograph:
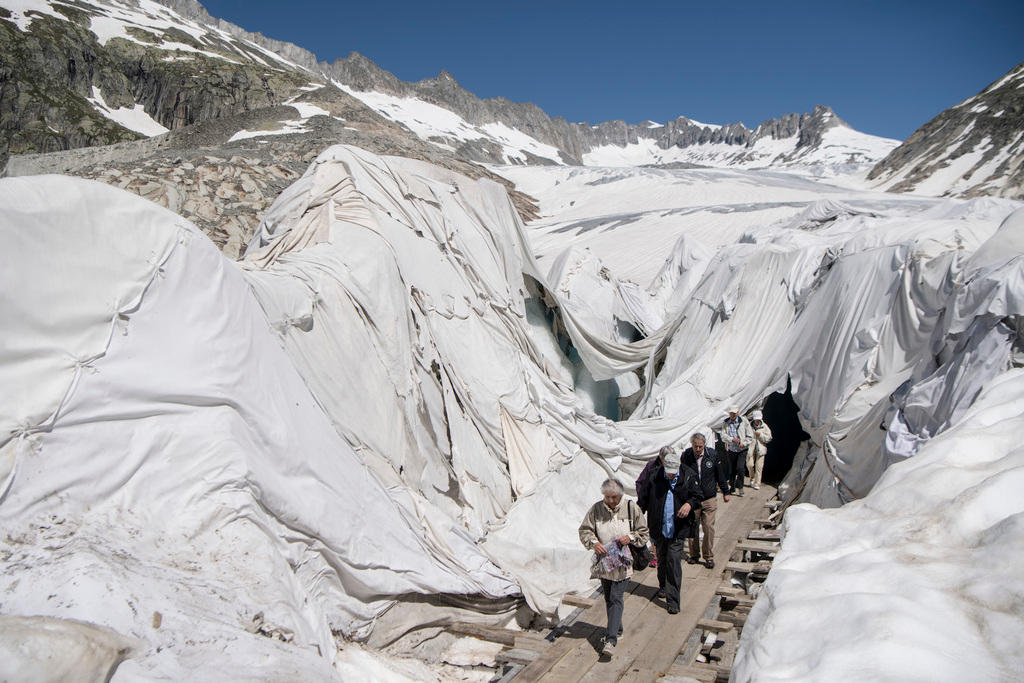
x=608 y=528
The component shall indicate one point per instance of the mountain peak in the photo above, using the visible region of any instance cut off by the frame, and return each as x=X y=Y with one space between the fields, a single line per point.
x=970 y=149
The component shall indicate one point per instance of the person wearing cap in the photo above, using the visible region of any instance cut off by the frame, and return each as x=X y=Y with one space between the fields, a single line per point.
x=758 y=448
x=670 y=497
x=710 y=477
x=736 y=435
x=649 y=469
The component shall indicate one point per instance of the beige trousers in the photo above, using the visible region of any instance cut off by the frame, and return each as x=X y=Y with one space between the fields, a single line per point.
x=755 y=463
x=706 y=519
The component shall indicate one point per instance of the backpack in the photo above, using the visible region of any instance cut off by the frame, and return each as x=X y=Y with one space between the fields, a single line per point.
x=642 y=554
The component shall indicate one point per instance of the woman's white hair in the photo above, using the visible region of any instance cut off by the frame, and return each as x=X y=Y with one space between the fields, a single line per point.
x=612 y=486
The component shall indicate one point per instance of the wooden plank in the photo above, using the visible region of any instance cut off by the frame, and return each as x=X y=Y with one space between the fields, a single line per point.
x=703 y=674
x=515 y=656
x=728 y=655
x=733 y=601
x=766 y=521
x=715 y=625
x=505 y=636
x=729 y=590
x=531 y=642
x=749 y=567
x=708 y=644
x=765 y=535
x=539 y=668
x=511 y=671
x=732 y=618
x=578 y=601
x=758 y=547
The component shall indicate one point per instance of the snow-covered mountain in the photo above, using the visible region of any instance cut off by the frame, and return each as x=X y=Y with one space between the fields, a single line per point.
x=972 y=149
x=499 y=131
x=141 y=68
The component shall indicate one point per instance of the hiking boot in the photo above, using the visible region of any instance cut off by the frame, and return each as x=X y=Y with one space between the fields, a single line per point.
x=756 y=488
x=673 y=610
x=710 y=564
x=608 y=649
x=692 y=560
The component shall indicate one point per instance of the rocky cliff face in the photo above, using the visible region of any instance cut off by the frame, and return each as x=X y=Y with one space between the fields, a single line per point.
x=54 y=69
x=46 y=74
x=190 y=9
x=223 y=173
x=975 y=148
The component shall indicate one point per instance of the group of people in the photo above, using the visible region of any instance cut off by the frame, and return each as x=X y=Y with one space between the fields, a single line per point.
x=745 y=443
x=675 y=509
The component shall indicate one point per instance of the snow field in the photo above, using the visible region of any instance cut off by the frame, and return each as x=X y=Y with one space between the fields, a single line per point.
x=134 y=118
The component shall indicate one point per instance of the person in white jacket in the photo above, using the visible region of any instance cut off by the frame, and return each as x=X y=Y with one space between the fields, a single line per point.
x=758 y=448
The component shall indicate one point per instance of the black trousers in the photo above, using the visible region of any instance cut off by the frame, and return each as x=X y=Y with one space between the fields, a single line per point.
x=670 y=567
x=736 y=462
x=613 y=592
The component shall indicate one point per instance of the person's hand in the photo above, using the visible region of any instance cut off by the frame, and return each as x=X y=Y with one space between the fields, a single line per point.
x=735 y=439
x=725 y=497
x=684 y=510
x=600 y=549
x=624 y=540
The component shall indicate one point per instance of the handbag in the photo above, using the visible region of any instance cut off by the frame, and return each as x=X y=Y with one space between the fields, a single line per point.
x=642 y=554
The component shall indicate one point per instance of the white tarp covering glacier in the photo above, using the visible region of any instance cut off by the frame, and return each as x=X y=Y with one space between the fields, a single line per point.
x=920 y=580
x=168 y=459
x=378 y=414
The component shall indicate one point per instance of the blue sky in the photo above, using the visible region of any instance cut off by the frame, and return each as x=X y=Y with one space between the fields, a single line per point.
x=885 y=67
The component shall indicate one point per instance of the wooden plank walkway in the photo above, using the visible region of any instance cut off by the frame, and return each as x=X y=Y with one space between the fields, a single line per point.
x=652 y=638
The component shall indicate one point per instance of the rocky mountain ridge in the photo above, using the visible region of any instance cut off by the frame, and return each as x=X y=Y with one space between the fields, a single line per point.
x=574 y=140
x=179 y=65
x=972 y=149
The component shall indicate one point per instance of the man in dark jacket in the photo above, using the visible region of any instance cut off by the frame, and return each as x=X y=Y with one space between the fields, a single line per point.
x=670 y=495
x=650 y=468
x=710 y=476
